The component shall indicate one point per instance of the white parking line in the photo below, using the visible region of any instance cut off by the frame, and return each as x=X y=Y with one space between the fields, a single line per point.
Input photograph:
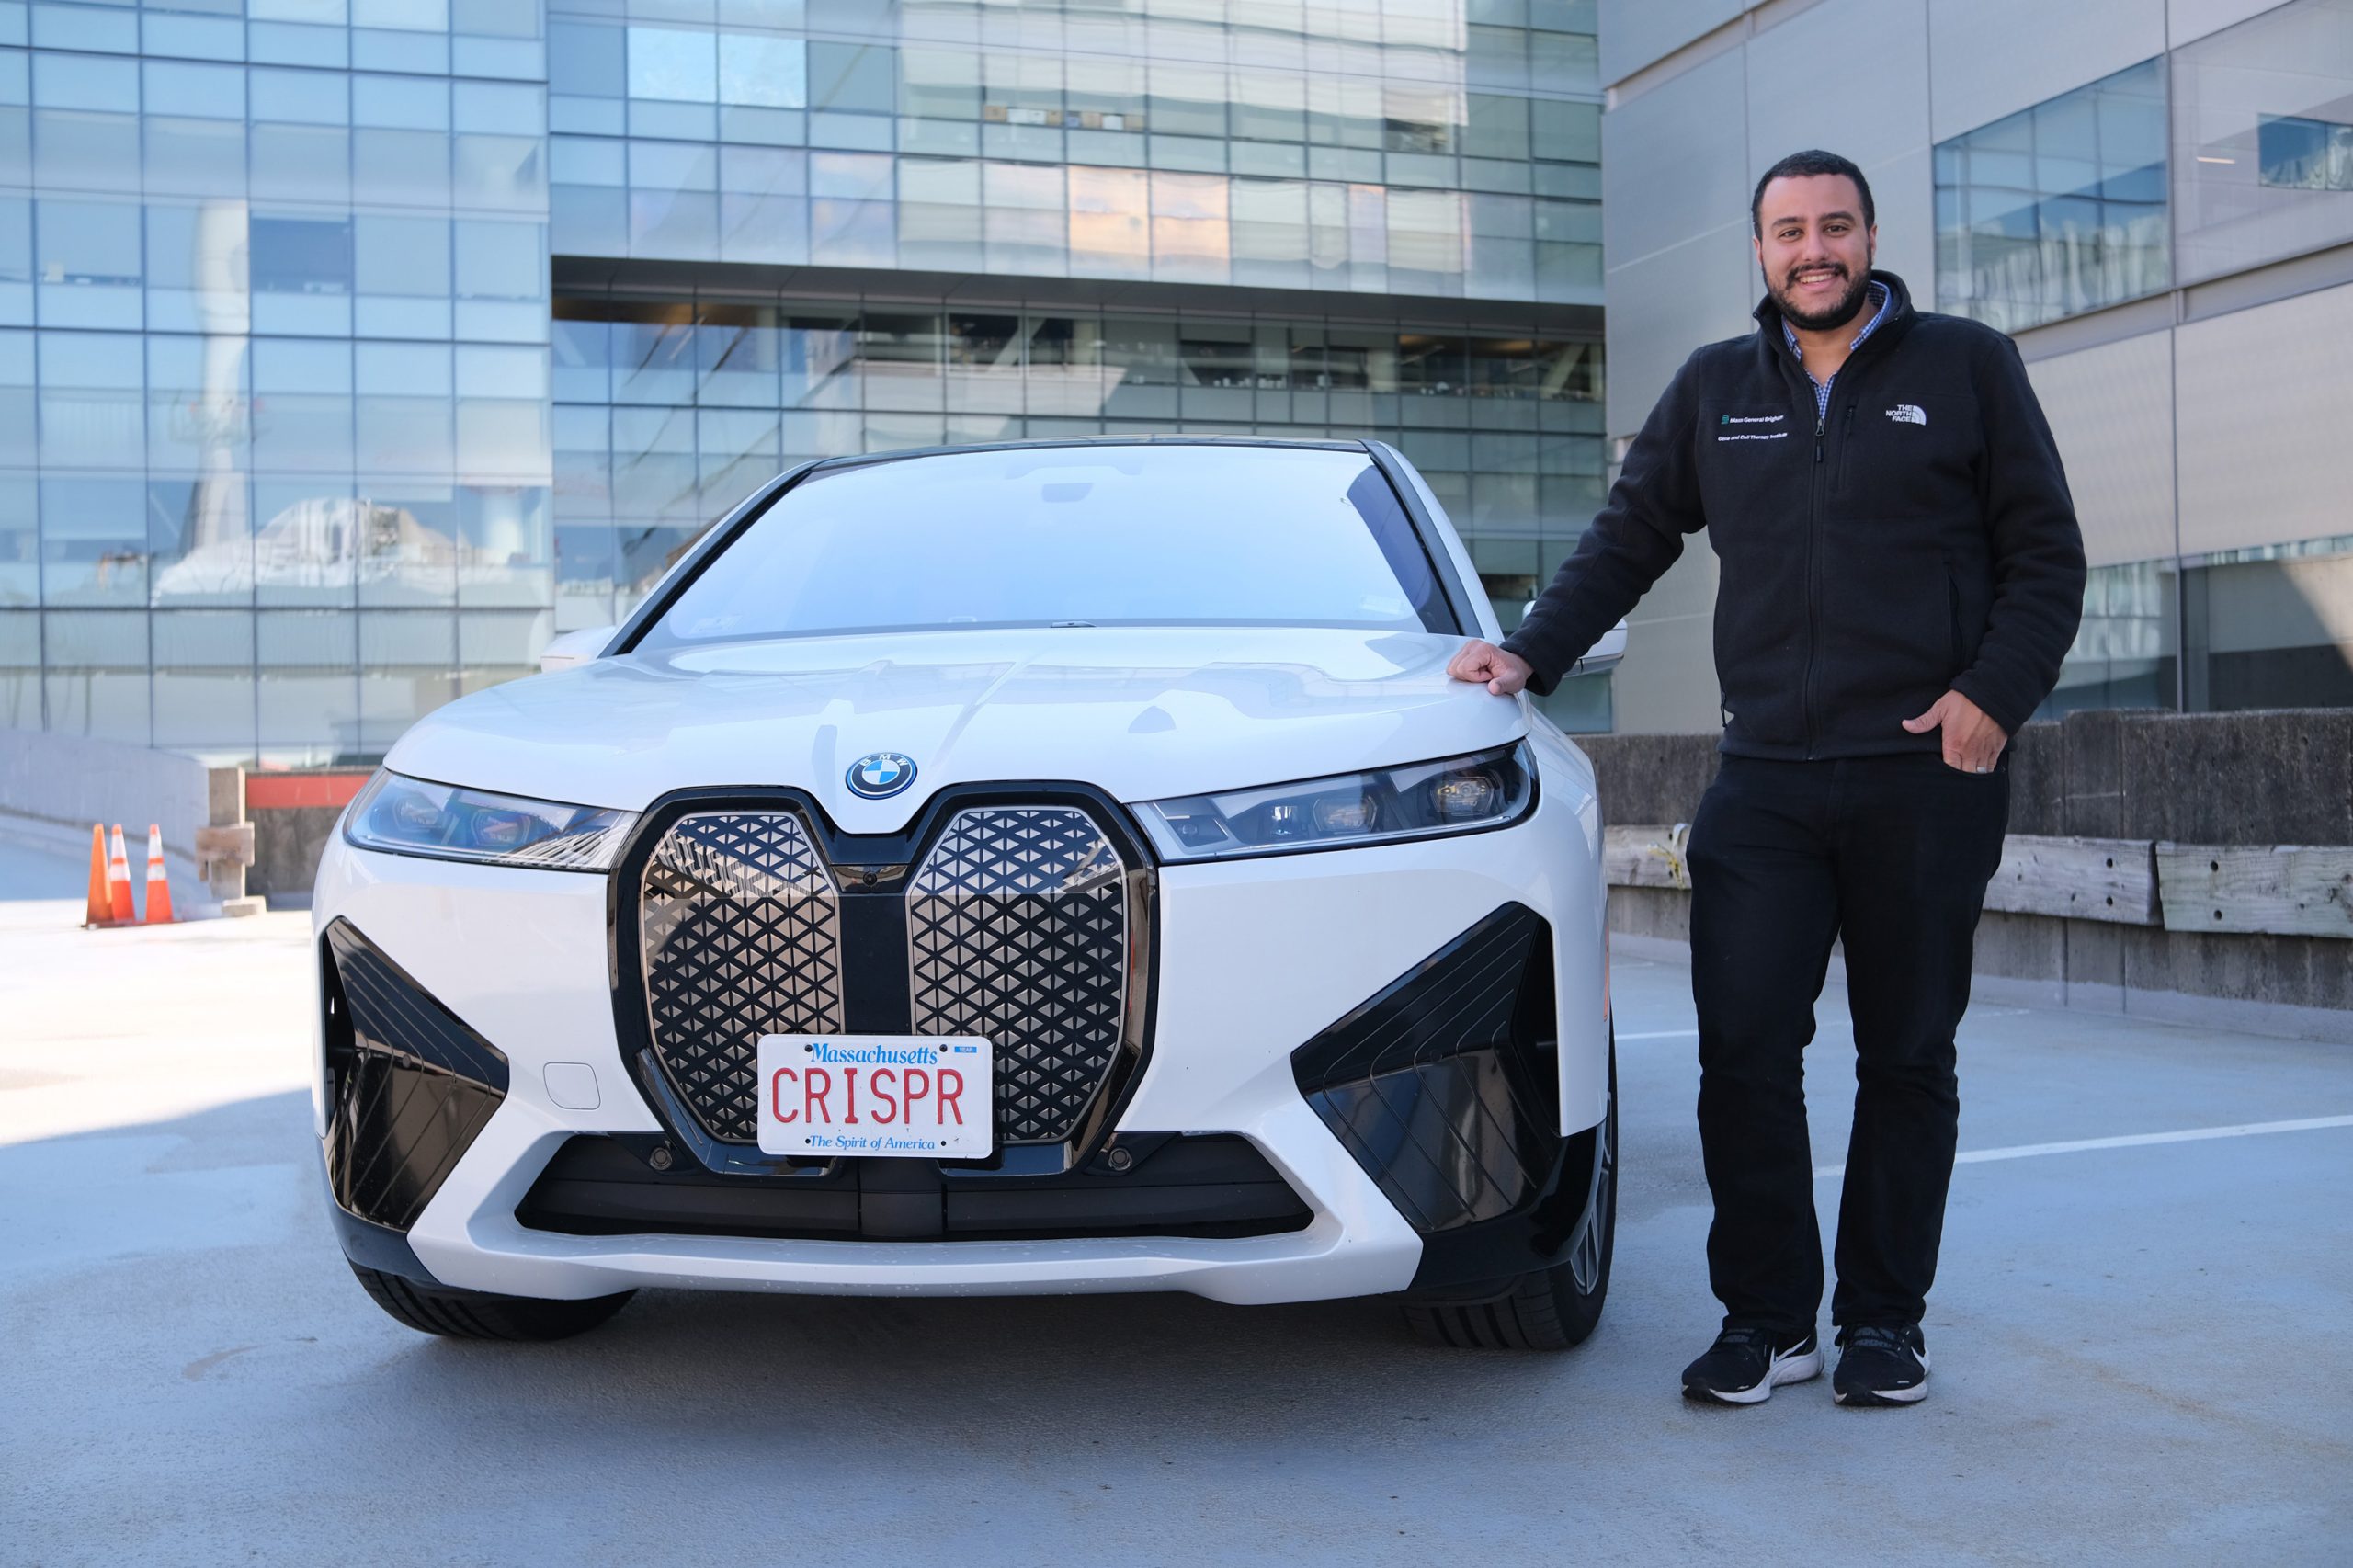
x=2129 y=1141
x=1663 y=1034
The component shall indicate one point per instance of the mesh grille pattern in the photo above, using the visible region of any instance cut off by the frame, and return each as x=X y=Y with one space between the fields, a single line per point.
x=740 y=934
x=1016 y=926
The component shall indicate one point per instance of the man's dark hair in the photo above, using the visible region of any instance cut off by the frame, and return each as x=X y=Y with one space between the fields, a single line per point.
x=1813 y=161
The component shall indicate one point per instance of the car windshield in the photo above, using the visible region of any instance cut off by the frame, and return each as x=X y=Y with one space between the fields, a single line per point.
x=1110 y=535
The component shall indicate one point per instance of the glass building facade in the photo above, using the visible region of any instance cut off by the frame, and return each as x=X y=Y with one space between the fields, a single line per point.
x=2221 y=579
x=351 y=349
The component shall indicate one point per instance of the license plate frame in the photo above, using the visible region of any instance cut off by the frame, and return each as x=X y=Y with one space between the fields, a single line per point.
x=823 y=1096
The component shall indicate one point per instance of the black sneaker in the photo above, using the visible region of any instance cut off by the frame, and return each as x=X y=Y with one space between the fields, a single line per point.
x=1744 y=1364
x=1879 y=1365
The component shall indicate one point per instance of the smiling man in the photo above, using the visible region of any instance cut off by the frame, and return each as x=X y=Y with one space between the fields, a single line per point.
x=1900 y=573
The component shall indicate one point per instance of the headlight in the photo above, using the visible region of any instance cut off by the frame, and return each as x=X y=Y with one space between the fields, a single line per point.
x=1458 y=794
x=411 y=816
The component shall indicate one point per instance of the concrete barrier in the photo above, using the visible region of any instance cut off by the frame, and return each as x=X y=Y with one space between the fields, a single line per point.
x=53 y=787
x=2253 y=780
x=293 y=814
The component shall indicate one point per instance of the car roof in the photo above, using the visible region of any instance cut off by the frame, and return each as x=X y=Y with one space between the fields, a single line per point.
x=862 y=460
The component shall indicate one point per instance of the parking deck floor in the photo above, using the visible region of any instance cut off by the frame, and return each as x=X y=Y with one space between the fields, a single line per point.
x=2140 y=1347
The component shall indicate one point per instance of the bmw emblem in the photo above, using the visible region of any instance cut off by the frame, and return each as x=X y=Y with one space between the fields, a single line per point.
x=879 y=775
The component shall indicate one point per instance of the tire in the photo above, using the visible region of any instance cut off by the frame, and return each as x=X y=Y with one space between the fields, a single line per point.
x=479 y=1314
x=1546 y=1309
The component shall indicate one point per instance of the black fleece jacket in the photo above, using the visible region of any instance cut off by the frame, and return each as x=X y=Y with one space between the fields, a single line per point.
x=1920 y=538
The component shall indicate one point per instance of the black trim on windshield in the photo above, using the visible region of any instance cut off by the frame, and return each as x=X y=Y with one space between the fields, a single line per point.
x=702 y=552
x=1392 y=464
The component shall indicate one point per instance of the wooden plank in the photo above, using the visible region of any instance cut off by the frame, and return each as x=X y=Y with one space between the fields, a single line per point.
x=1644 y=857
x=2285 y=889
x=2112 y=880
x=2282 y=889
x=2076 y=878
x=231 y=844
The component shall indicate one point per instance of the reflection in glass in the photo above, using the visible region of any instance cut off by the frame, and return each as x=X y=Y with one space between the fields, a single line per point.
x=307 y=688
x=2297 y=153
x=1430 y=366
x=2263 y=127
x=588 y=561
x=93 y=541
x=736 y=355
x=408 y=666
x=675 y=64
x=97 y=675
x=19 y=543
x=2119 y=658
x=2057 y=209
x=21 y=693
x=2269 y=627
x=204 y=682
x=199 y=540
x=506 y=546
x=252 y=451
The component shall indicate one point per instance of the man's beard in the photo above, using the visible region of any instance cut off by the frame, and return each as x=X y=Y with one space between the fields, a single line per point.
x=1849 y=305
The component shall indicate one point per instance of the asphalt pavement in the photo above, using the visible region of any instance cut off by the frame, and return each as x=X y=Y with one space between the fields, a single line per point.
x=37 y=871
x=2138 y=1345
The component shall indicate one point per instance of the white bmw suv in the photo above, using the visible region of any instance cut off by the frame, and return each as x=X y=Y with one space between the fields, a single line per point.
x=1039 y=867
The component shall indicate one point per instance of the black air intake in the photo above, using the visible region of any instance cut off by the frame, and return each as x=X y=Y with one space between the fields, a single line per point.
x=409 y=1087
x=1444 y=1086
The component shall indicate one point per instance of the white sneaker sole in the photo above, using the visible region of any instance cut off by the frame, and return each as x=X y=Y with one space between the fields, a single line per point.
x=1912 y=1396
x=1785 y=1370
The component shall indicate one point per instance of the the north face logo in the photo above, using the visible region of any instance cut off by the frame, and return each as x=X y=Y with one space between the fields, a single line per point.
x=1905 y=414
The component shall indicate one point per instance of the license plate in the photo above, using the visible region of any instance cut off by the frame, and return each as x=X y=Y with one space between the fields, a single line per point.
x=878 y=1096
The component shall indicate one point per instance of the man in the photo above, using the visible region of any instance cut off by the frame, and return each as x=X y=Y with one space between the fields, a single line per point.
x=1901 y=575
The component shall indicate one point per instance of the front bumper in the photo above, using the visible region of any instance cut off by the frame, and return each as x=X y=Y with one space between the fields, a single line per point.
x=1255 y=957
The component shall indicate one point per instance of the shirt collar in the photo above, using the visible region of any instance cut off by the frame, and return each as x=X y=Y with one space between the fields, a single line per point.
x=1877 y=291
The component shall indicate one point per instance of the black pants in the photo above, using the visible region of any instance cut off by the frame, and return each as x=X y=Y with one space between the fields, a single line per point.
x=1893 y=854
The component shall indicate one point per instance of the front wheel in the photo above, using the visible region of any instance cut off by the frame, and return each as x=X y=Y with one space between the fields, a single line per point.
x=1546 y=1309
x=480 y=1314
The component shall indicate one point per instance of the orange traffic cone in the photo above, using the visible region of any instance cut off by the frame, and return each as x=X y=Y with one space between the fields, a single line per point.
x=118 y=883
x=101 y=912
x=159 y=887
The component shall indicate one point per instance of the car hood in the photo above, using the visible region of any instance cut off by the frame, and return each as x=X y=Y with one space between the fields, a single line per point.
x=1139 y=713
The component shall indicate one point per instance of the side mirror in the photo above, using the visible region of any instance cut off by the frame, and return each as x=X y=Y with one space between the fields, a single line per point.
x=576 y=648
x=1603 y=654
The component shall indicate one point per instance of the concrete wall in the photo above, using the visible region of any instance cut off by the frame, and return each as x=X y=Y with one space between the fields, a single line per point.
x=288 y=842
x=2111 y=409
x=53 y=787
x=2266 y=401
x=2229 y=779
x=293 y=815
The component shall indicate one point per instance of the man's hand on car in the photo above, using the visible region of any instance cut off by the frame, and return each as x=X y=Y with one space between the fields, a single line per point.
x=1973 y=742
x=1505 y=672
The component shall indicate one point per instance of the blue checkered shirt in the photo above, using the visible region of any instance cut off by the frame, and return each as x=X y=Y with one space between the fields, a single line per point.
x=1822 y=389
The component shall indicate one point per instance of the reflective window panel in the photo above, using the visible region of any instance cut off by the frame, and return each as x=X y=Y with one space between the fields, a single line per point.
x=2059 y=209
x=2263 y=139
x=1450 y=148
x=2268 y=628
